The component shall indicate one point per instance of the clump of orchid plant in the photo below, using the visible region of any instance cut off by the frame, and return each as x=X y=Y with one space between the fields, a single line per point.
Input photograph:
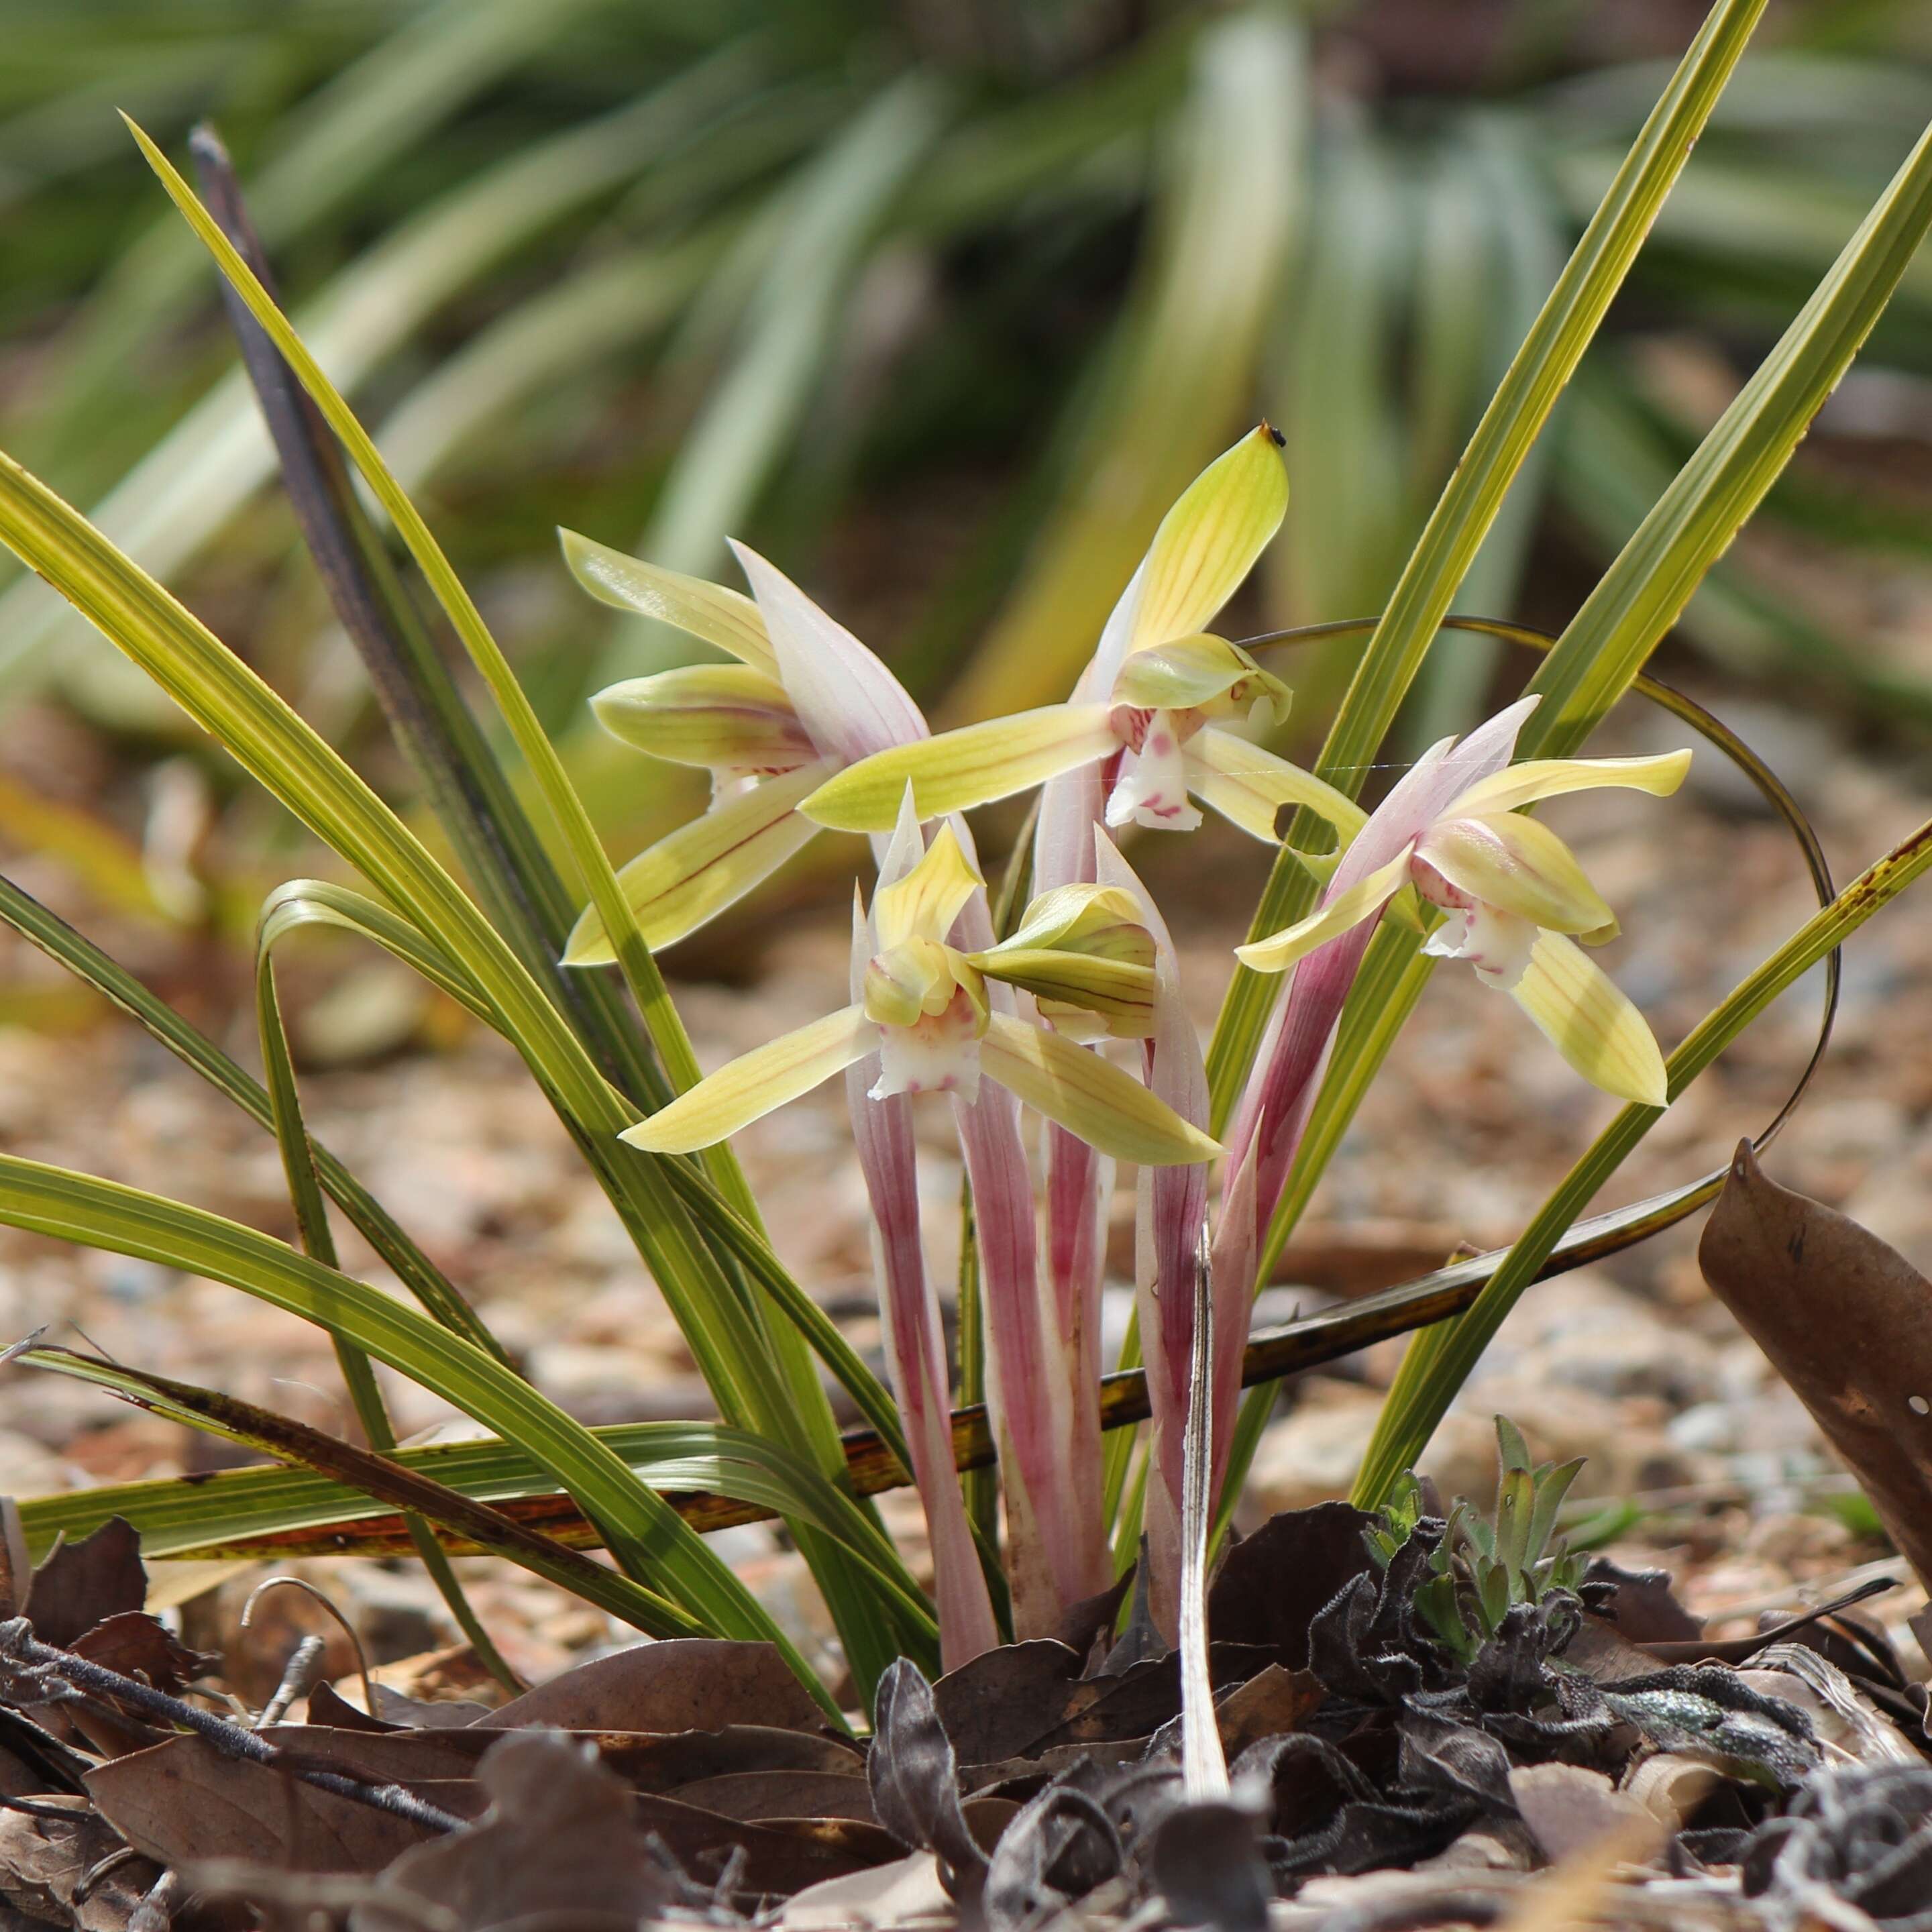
x=810 y=729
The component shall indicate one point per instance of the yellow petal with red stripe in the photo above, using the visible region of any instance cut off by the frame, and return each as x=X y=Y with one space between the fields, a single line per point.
x=1089 y=1096
x=676 y=885
x=757 y=1083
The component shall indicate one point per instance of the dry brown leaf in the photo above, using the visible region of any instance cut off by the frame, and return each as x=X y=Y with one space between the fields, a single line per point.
x=1570 y=1809
x=183 y=1801
x=683 y=1683
x=44 y=1862
x=782 y=1794
x=1847 y=1321
x=82 y=1584
x=560 y=1841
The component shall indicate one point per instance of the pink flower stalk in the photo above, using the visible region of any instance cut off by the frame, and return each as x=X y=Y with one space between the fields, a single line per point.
x=929 y=1016
x=1451 y=831
x=1170 y=1219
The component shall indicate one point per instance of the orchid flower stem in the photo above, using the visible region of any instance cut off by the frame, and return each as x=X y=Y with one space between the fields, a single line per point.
x=1204 y=1763
x=982 y=1489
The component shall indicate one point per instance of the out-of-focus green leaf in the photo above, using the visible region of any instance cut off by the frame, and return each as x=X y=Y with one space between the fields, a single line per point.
x=182 y=493
x=1181 y=372
x=1640 y=595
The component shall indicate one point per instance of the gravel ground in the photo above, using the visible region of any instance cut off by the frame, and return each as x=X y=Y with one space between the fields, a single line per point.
x=1631 y=1363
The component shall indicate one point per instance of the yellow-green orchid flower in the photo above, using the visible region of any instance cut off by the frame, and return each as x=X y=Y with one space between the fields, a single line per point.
x=1154 y=706
x=925 y=1012
x=804 y=698
x=1516 y=899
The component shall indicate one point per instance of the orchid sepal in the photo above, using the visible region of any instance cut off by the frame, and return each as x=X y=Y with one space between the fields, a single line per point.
x=693 y=874
x=1207 y=543
x=1589 y=1018
x=1254 y=789
x=756 y=1084
x=957 y=770
x=720 y=616
x=1538 y=779
x=1347 y=909
x=1090 y=1097
x=725 y=717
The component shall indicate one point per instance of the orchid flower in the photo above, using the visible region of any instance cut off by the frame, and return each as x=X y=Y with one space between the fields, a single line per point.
x=924 y=1010
x=804 y=698
x=1152 y=710
x=1516 y=901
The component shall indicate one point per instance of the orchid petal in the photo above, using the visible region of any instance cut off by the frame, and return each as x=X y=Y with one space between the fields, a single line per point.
x=1089 y=1096
x=1119 y=991
x=924 y=903
x=1347 y=909
x=1249 y=786
x=852 y=705
x=1588 y=1019
x=1208 y=542
x=1082 y=950
x=727 y=619
x=909 y=981
x=693 y=874
x=1103 y=918
x=1188 y=672
x=1519 y=866
x=757 y=1083
x=728 y=717
x=1536 y=778
x=958 y=769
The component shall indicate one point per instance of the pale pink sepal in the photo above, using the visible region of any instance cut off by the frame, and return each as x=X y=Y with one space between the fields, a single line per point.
x=847 y=699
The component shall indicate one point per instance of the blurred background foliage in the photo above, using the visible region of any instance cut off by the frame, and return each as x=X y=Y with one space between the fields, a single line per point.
x=939 y=303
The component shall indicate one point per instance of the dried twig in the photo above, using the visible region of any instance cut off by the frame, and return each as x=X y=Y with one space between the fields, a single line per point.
x=23 y=1655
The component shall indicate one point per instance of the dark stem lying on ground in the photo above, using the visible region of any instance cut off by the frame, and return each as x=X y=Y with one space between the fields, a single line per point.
x=23 y=1655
